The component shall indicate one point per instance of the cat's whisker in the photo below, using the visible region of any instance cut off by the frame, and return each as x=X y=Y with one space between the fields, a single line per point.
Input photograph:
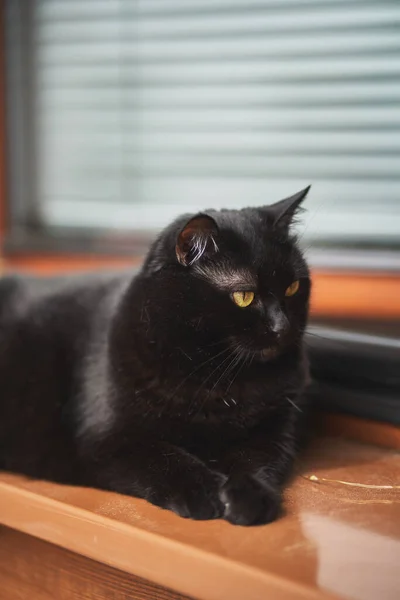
x=203 y=364
x=242 y=359
x=293 y=404
x=226 y=371
x=207 y=379
x=221 y=364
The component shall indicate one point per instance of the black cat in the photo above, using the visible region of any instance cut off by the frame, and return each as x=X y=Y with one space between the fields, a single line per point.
x=181 y=385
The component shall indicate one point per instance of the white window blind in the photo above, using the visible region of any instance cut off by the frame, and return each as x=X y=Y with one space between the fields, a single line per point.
x=145 y=109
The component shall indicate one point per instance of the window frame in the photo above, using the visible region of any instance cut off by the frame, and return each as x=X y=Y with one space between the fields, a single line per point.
x=27 y=245
x=25 y=231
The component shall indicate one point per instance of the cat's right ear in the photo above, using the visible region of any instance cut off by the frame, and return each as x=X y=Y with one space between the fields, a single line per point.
x=284 y=212
x=196 y=239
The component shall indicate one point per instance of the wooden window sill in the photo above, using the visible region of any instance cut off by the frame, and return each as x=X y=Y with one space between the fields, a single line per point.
x=334 y=541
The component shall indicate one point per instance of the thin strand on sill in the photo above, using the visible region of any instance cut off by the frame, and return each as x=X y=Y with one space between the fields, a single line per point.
x=316 y=479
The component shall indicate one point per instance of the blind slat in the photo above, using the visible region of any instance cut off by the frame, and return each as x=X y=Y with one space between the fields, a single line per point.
x=283 y=47
x=210 y=96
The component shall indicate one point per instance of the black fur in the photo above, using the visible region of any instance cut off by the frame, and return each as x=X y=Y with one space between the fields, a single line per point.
x=158 y=385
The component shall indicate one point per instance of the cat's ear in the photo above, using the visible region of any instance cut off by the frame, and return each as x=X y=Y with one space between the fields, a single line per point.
x=196 y=239
x=284 y=211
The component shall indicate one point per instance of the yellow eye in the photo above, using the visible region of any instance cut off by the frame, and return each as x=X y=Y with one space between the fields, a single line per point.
x=243 y=299
x=292 y=289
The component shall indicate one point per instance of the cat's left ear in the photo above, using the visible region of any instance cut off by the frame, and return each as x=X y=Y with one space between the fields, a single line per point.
x=284 y=211
x=196 y=239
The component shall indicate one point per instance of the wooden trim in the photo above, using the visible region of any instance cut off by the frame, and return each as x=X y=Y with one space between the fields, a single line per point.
x=31 y=568
x=356 y=295
x=362 y=430
x=141 y=551
x=49 y=265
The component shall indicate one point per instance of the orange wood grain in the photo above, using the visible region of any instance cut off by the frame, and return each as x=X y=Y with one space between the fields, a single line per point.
x=356 y=295
x=50 y=265
x=34 y=569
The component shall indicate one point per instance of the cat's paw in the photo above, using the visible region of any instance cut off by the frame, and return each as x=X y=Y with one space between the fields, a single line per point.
x=248 y=502
x=197 y=495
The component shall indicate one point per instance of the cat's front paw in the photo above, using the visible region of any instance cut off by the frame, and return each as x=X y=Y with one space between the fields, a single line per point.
x=248 y=502
x=197 y=496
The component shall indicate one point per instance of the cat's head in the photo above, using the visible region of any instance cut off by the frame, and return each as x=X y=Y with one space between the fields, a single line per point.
x=236 y=277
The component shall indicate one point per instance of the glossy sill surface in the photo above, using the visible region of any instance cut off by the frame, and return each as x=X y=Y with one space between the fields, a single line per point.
x=334 y=540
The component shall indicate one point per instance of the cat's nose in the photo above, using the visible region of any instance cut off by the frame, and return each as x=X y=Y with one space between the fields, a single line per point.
x=279 y=329
x=278 y=323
